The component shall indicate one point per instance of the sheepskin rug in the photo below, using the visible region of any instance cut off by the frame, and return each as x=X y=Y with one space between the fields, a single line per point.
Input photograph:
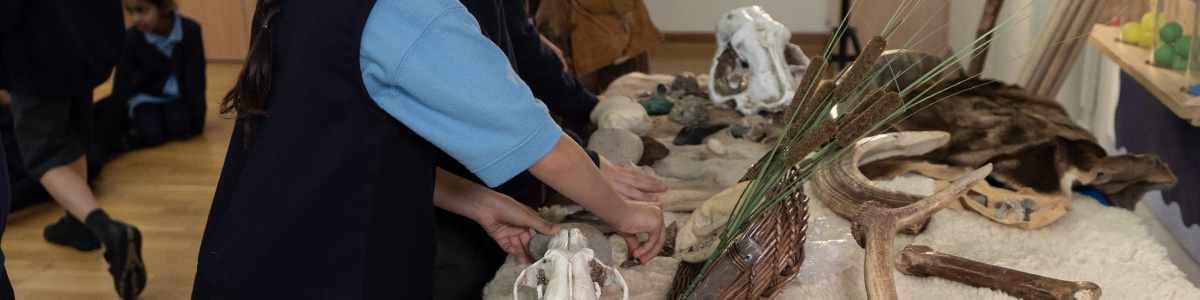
x=1109 y=246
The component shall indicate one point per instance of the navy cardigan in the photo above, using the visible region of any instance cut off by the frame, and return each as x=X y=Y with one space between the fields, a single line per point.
x=143 y=69
x=510 y=28
x=59 y=48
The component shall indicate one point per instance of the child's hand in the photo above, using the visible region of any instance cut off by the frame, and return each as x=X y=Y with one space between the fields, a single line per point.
x=508 y=222
x=644 y=217
x=630 y=183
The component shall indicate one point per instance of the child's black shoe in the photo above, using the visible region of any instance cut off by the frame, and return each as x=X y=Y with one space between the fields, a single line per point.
x=71 y=233
x=123 y=252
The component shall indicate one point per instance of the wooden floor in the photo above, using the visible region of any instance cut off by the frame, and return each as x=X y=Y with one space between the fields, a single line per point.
x=164 y=191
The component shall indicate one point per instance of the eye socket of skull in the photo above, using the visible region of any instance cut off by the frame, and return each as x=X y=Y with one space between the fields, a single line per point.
x=731 y=73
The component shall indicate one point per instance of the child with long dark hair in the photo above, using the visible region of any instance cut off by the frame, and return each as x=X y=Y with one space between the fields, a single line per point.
x=330 y=182
x=160 y=79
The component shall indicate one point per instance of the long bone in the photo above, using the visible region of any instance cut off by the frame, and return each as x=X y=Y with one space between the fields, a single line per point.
x=875 y=225
x=918 y=260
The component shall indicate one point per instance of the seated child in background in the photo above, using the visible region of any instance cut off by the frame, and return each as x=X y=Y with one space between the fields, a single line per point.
x=158 y=90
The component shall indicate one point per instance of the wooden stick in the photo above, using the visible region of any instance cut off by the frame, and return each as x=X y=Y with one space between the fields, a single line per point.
x=991 y=10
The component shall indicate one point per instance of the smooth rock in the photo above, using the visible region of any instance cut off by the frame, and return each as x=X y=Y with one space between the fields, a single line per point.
x=716 y=147
x=619 y=112
x=652 y=151
x=657 y=105
x=694 y=135
x=617 y=145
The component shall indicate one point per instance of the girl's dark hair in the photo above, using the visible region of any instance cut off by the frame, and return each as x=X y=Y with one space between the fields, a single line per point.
x=254 y=82
x=164 y=6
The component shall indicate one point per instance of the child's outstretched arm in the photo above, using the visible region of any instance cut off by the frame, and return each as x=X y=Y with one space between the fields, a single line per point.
x=505 y=220
x=569 y=171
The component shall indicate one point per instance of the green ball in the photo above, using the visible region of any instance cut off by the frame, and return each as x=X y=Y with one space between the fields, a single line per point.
x=1182 y=45
x=1164 y=56
x=1179 y=64
x=1170 y=31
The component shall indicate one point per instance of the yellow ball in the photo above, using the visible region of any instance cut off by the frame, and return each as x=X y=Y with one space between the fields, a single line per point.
x=1131 y=32
x=1148 y=21
x=1144 y=40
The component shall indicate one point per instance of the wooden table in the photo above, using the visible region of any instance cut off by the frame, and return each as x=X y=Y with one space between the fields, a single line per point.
x=1165 y=84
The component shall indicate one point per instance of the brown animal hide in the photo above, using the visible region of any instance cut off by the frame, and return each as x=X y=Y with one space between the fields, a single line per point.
x=597 y=33
x=1029 y=139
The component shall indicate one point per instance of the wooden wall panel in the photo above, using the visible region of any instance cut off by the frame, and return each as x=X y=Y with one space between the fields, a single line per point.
x=927 y=23
x=225 y=25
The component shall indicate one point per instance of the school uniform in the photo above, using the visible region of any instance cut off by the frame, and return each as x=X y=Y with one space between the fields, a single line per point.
x=56 y=52
x=6 y=290
x=3 y=73
x=160 y=82
x=467 y=257
x=331 y=196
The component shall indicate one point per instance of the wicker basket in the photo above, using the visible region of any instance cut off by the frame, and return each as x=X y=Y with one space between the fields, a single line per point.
x=760 y=262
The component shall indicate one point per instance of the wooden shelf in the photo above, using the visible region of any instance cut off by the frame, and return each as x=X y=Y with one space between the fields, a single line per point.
x=1165 y=84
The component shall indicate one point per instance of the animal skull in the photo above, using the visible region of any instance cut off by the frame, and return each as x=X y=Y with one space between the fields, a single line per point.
x=569 y=270
x=755 y=66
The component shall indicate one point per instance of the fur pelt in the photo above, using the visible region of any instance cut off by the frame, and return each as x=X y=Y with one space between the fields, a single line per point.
x=1029 y=139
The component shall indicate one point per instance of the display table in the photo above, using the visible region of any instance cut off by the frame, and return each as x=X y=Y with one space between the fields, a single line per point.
x=1164 y=84
x=1109 y=246
x=1153 y=116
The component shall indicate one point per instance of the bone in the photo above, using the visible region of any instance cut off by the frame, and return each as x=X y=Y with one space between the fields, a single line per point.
x=875 y=226
x=918 y=260
x=843 y=187
x=754 y=65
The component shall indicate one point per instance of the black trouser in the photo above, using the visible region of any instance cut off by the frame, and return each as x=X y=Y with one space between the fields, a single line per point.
x=6 y=290
x=157 y=123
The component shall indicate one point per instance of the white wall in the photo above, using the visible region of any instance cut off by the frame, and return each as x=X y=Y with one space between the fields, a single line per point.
x=701 y=16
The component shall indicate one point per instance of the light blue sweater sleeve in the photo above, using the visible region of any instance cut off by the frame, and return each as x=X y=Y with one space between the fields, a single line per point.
x=427 y=64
